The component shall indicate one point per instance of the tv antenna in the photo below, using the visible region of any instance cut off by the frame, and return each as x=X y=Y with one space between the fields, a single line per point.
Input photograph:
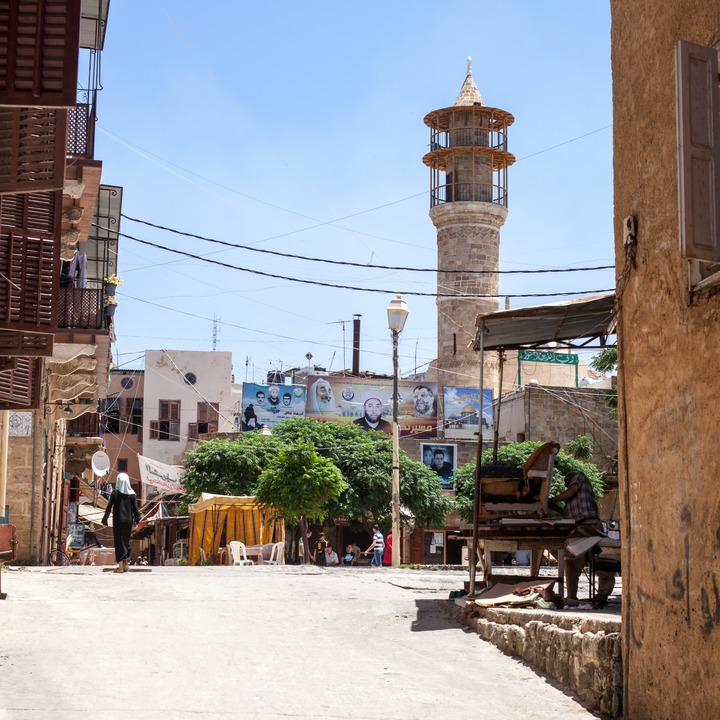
x=343 y=323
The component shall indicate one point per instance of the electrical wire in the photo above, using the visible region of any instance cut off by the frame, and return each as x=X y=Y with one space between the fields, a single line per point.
x=353 y=287
x=277 y=253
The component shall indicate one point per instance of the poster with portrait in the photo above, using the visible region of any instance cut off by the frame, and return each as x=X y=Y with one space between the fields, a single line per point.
x=367 y=402
x=462 y=412
x=270 y=404
x=441 y=458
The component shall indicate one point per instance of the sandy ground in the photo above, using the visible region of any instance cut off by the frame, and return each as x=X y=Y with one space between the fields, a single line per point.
x=254 y=642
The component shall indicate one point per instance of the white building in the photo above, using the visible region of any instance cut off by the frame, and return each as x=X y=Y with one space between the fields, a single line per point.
x=187 y=393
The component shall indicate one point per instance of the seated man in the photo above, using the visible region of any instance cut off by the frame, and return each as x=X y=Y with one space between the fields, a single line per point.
x=331 y=557
x=580 y=505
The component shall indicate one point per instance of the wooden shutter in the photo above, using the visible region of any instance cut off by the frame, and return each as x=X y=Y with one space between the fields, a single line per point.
x=698 y=128
x=26 y=344
x=20 y=386
x=41 y=46
x=154 y=429
x=192 y=431
x=34 y=140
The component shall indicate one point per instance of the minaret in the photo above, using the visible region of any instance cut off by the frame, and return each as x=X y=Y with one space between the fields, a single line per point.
x=468 y=159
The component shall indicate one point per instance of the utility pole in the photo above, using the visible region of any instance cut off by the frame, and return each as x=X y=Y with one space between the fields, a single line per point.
x=343 y=323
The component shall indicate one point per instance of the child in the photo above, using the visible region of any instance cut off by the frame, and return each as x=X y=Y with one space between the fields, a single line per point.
x=349 y=556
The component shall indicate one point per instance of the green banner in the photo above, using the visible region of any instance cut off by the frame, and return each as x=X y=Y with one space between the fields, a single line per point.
x=545 y=356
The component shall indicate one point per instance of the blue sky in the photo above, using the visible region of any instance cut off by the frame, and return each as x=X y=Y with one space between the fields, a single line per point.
x=298 y=127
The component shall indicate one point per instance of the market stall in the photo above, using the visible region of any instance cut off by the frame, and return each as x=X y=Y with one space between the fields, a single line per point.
x=215 y=520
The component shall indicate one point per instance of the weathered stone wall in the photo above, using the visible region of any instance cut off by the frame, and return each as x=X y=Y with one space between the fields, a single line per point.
x=560 y=414
x=583 y=654
x=669 y=382
x=24 y=500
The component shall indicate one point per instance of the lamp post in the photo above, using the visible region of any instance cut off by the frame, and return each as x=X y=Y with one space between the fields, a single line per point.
x=397 y=312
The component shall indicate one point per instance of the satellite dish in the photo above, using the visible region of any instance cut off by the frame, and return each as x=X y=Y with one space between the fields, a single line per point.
x=100 y=463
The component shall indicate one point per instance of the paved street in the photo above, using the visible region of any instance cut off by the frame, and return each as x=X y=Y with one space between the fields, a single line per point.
x=254 y=642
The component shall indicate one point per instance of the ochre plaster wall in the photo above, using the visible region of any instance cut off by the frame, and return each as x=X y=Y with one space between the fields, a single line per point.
x=669 y=384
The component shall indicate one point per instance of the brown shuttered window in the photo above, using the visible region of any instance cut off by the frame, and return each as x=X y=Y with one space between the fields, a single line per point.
x=698 y=127
x=20 y=385
x=41 y=45
x=29 y=261
x=169 y=420
x=192 y=431
x=34 y=139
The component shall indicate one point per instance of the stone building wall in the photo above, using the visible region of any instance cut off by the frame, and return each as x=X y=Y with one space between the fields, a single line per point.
x=24 y=500
x=668 y=377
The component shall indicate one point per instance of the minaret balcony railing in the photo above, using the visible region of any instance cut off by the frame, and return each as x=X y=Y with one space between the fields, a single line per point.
x=468 y=192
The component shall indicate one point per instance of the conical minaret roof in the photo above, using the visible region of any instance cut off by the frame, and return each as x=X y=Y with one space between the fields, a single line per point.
x=469 y=94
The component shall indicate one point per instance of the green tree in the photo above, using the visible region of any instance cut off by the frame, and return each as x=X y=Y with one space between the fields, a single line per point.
x=227 y=467
x=605 y=362
x=365 y=459
x=299 y=485
x=515 y=455
x=581 y=448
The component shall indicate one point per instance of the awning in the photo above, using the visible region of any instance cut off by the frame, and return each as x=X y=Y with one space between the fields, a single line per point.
x=574 y=323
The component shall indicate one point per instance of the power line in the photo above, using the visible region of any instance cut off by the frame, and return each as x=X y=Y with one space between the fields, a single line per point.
x=353 y=287
x=239 y=246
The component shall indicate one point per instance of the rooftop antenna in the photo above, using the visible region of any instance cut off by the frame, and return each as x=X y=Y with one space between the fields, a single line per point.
x=341 y=322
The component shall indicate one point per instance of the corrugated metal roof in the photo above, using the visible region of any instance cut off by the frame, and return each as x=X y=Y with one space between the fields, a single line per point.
x=574 y=323
x=93 y=21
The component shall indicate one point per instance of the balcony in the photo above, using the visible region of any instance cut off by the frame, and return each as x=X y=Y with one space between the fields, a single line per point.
x=87 y=425
x=80 y=309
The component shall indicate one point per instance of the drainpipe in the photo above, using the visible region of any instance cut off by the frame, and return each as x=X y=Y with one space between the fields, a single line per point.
x=32 y=485
x=4 y=435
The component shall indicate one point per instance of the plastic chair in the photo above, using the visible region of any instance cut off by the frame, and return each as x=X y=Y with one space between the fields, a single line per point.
x=238 y=556
x=276 y=555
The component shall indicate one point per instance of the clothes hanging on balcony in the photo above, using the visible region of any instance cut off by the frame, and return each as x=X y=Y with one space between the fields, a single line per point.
x=77 y=272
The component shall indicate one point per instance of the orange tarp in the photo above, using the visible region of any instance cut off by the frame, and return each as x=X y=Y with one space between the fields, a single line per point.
x=217 y=519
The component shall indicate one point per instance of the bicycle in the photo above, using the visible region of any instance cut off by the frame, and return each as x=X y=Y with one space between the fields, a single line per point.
x=60 y=557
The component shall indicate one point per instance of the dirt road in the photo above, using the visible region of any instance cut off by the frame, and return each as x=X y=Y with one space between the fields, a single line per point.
x=272 y=642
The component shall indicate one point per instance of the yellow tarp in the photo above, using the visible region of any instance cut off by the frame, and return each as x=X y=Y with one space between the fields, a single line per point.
x=222 y=518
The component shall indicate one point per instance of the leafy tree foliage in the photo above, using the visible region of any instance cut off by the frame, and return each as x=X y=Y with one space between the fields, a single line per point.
x=299 y=484
x=227 y=467
x=580 y=448
x=515 y=455
x=363 y=457
x=606 y=361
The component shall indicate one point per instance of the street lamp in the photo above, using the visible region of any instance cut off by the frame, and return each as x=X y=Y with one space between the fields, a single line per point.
x=397 y=312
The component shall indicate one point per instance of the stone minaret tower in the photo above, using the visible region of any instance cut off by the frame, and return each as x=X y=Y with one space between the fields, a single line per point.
x=468 y=159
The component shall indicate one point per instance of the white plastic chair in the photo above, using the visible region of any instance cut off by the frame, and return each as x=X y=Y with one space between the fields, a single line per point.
x=238 y=554
x=276 y=555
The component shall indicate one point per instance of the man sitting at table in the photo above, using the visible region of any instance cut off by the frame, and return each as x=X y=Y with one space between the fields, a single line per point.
x=580 y=505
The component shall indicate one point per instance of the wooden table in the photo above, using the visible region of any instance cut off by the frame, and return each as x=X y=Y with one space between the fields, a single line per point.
x=534 y=535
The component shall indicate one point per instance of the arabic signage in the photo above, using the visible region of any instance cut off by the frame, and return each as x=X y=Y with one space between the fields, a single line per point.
x=270 y=404
x=545 y=356
x=166 y=478
x=367 y=402
x=461 y=412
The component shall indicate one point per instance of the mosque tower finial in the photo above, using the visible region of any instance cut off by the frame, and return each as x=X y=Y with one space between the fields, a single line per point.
x=469 y=61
